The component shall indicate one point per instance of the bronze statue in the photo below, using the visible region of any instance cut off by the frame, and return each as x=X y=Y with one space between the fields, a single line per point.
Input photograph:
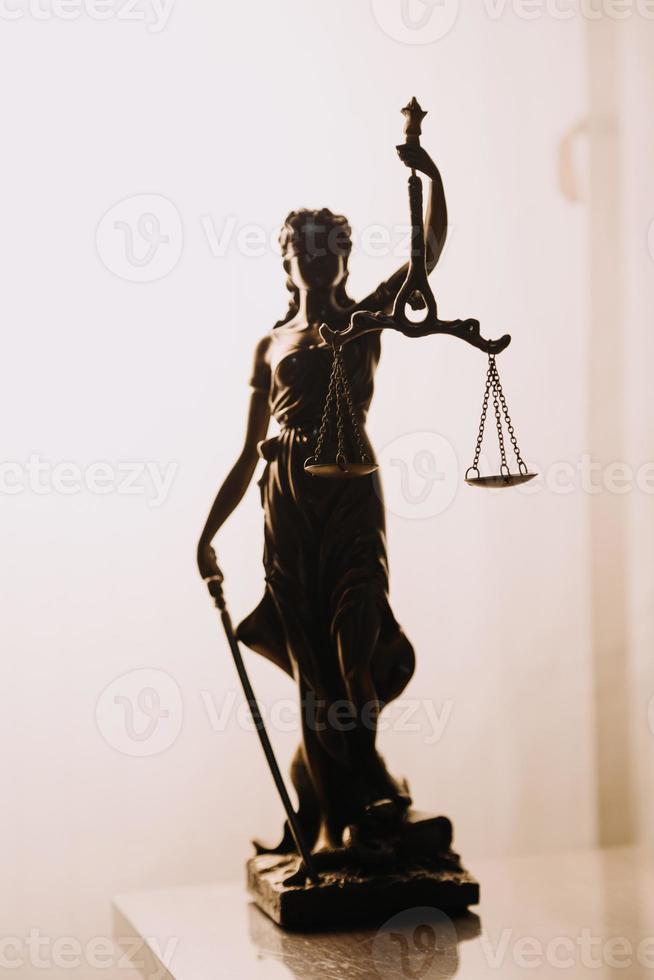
x=325 y=617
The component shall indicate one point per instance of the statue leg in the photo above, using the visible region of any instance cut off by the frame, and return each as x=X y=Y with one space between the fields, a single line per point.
x=336 y=782
x=309 y=811
x=394 y=661
x=357 y=635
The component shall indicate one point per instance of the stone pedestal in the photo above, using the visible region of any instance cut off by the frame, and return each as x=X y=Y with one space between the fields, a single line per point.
x=381 y=870
x=345 y=897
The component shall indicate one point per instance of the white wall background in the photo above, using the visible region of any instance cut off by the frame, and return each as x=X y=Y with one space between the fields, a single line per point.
x=236 y=114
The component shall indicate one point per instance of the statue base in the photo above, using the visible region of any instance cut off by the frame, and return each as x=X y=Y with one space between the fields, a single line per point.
x=360 y=886
x=344 y=897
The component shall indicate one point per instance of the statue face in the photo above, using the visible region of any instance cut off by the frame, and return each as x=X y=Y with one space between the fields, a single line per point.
x=316 y=271
x=319 y=255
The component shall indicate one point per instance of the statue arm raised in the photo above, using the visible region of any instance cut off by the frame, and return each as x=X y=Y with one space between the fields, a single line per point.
x=416 y=158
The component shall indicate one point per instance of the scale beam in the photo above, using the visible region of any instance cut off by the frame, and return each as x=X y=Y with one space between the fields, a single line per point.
x=364 y=322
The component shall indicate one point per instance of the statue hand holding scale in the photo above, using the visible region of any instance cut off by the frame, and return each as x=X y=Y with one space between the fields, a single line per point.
x=415 y=292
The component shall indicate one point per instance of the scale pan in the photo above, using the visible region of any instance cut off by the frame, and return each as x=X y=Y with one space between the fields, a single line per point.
x=348 y=472
x=500 y=480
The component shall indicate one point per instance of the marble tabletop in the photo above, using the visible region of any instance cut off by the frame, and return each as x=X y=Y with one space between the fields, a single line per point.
x=553 y=915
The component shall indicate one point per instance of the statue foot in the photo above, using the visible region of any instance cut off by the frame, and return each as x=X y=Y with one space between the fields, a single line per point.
x=372 y=850
x=308 y=814
x=385 y=798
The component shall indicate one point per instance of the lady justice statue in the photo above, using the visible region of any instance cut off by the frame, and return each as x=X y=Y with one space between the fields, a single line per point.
x=325 y=617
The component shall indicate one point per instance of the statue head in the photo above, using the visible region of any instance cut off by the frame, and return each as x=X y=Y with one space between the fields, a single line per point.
x=315 y=248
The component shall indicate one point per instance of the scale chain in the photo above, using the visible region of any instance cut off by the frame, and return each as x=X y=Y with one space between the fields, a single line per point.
x=509 y=424
x=340 y=421
x=500 y=408
x=484 y=409
x=339 y=397
x=324 y=423
x=498 y=419
x=347 y=394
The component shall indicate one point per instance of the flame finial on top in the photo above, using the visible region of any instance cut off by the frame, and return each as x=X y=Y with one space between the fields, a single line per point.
x=413 y=114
